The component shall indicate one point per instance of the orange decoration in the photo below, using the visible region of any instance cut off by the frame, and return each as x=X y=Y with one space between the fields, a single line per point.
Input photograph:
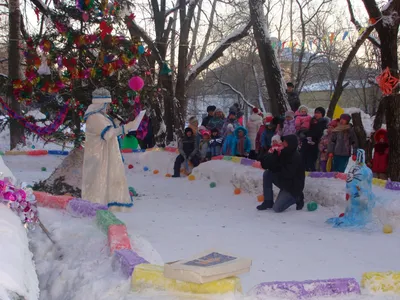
x=237 y=191
x=156 y=172
x=260 y=198
x=191 y=177
x=168 y=175
x=387 y=82
x=372 y=21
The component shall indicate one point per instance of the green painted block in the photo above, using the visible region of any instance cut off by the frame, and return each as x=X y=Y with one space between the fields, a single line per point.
x=227 y=158
x=105 y=218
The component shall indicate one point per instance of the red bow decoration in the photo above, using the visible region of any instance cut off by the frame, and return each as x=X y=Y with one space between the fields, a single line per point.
x=387 y=82
x=105 y=29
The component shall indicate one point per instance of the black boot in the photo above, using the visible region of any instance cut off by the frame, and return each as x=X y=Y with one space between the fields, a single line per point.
x=300 y=202
x=265 y=206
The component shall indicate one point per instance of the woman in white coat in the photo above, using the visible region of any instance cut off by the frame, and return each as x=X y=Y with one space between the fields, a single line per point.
x=103 y=176
x=253 y=124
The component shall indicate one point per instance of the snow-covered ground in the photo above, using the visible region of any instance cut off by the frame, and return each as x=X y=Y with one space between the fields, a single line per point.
x=176 y=218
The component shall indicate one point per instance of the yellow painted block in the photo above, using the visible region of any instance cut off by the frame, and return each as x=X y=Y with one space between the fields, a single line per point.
x=379 y=182
x=147 y=276
x=381 y=282
x=15 y=153
x=236 y=159
x=307 y=174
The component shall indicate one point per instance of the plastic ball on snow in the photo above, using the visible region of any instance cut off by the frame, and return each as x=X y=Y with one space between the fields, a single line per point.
x=191 y=177
x=130 y=167
x=168 y=175
x=44 y=169
x=33 y=147
x=145 y=169
x=237 y=191
x=156 y=172
x=311 y=206
x=387 y=229
x=260 y=198
x=341 y=215
x=213 y=185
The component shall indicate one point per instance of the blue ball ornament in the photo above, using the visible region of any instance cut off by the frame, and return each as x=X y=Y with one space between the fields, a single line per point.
x=141 y=49
x=145 y=169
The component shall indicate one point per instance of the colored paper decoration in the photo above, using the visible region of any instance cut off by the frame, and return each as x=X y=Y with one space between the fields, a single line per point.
x=387 y=82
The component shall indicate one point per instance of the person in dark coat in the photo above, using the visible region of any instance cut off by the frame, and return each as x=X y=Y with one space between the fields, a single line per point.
x=309 y=145
x=210 y=113
x=293 y=97
x=286 y=171
x=188 y=151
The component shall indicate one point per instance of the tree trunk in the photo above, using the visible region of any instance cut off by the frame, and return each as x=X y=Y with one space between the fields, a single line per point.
x=14 y=61
x=363 y=141
x=272 y=71
x=393 y=128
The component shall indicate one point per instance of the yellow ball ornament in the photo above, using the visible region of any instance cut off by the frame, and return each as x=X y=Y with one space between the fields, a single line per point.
x=191 y=177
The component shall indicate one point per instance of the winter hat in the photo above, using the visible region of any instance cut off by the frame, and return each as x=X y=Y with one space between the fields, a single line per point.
x=276 y=138
x=268 y=120
x=320 y=110
x=325 y=131
x=232 y=113
x=187 y=129
x=303 y=107
x=193 y=120
x=229 y=128
x=205 y=132
x=256 y=110
x=100 y=96
x=334 y=123
x=211 y=108
x=216 y=130
x=346 y=117
x=289 y=113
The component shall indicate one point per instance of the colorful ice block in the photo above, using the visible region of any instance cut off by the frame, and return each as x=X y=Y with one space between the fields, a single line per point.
x=52 y=201
x=105 y=218
x=218 y=157
x=127 y=260
x=83 y=208
x=147 y=276
x=307 y=289
x=36 y=152
x=15 y=153
x=379 y=182
x=118 y=238
x=236 y=159
x=381 y=282
x=257 y=165
x=58 y=152
x=342 y=176
x=229 y=158
x=393 y=185
x=246 y=162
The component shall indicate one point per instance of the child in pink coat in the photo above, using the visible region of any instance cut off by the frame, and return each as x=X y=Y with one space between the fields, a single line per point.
x=303 y=121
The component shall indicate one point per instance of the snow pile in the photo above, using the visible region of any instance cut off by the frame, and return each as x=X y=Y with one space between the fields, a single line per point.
x=17 y=270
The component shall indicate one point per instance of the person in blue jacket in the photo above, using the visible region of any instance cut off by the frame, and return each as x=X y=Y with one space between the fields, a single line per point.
x=241 y=144
x=228 y=141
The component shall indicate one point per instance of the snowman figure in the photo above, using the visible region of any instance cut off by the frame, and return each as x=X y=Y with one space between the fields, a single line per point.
x=358 y=195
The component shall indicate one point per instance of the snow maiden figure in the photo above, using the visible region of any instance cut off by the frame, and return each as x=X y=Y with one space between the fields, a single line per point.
x=103 y=175
x=358 y=194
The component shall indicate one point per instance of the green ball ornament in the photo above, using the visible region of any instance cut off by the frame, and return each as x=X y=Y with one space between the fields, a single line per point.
x=213 y=185
x=44 y=169
x=311 y=206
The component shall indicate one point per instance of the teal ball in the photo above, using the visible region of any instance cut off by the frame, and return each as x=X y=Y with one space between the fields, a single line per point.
x=213 y=185
x=311 y=206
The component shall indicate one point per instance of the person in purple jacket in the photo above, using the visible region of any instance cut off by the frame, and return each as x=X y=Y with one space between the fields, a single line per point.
x=289 y=124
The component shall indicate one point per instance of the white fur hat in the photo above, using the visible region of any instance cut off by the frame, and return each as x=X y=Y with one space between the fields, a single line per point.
x=276 y=138
x=230 y=128
x=100 y=96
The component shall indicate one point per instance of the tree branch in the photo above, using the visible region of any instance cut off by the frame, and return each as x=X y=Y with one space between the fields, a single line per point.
x=358 y=25
x=175 y=8
x=217 y=52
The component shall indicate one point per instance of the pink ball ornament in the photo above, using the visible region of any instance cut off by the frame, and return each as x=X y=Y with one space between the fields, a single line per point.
x=20 y=194
x=136 y=83
x=9 y=196
x=85 y=16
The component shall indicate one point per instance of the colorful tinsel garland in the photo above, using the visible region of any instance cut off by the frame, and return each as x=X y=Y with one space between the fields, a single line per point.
x=45 y=130
x=21 y=200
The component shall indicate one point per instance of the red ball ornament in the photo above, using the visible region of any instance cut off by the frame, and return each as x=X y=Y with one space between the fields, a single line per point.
x=341 y=215
x=347 y=197
x=136 y=83
x=130 y=167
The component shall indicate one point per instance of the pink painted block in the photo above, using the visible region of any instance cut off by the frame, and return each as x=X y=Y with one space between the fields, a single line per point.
x=118 y=238
x=256 y=164
x=219 y=157
x=52 y=201
x=341 y=176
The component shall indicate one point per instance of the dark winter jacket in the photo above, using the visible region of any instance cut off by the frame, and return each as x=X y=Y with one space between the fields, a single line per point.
x=288 y=167
x=343 y=141
x=188 y=147
x=214 y=147
x=206 y=120
x=294 y=101
x=266 y=138
x=317 y=128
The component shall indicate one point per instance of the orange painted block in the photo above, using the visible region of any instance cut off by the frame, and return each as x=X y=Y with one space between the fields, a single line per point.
x=37 y=152
x=51 y=201
x=15 y=153
x=118 y=238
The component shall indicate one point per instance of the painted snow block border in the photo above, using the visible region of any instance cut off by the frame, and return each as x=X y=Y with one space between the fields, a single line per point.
x=393 y=185
x=15 y=153
x=126 y=260
x=246 y=162
x=118 y=238
x=227 y=158
x=37 y=152
x=83 y=208
x=52 y=201
x=307 y=289
x=58 y=152
x=147 y=276
x=105 y=218
x=381 y=282
x=218 y=157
